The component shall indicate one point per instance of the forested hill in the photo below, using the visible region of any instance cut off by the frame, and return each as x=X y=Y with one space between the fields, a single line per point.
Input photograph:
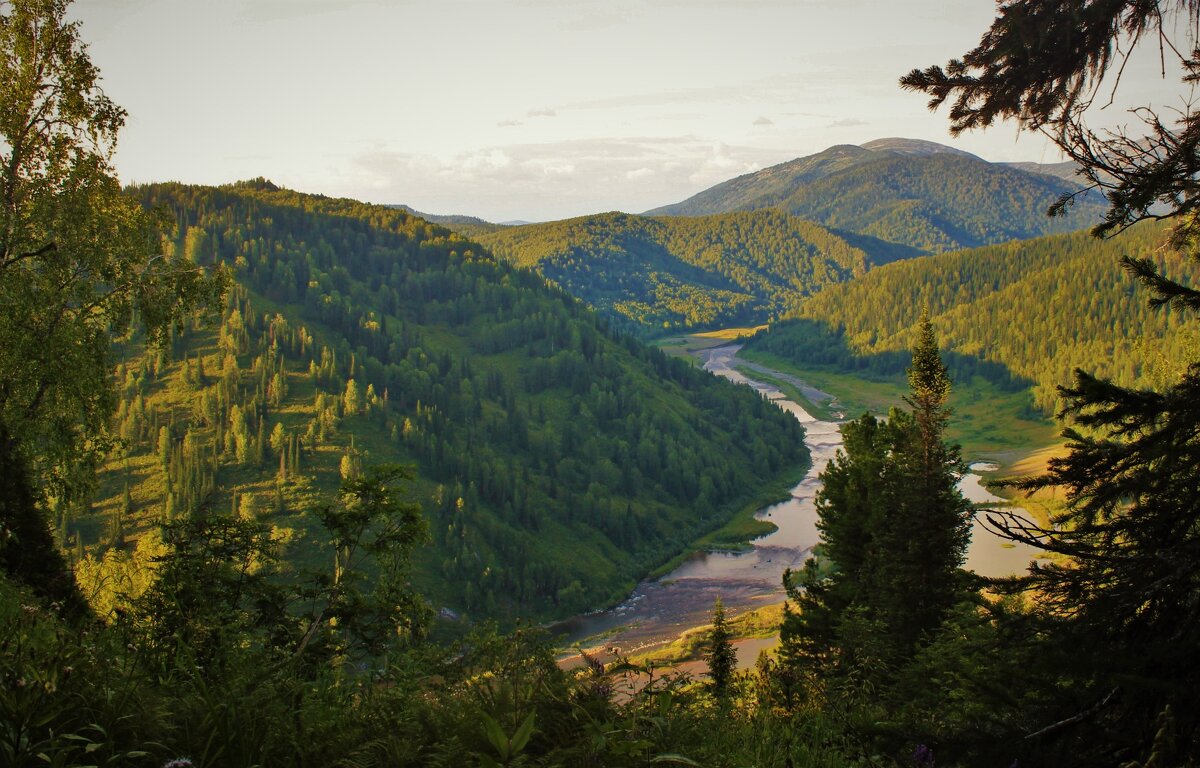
x=904 y=192
x=557 y=462
x=1023 y=314
x=467 y=226
x=737 y=268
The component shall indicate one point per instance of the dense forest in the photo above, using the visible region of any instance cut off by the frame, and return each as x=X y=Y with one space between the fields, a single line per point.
x=1022 y=314
x=558 y=462
x=933 y=201
x=683 y=272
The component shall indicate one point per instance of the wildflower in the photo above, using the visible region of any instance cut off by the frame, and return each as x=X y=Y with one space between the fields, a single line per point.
x=179 y=762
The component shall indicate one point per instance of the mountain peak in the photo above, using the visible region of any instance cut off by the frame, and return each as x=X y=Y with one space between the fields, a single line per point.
x=917 y=147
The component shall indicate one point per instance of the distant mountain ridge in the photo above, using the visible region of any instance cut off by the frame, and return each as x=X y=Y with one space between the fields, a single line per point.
x=687 y=272
x=915 y=147
x=468 y=226
x=915 y=193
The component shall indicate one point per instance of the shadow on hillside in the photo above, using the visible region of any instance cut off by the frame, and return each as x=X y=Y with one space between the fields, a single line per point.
x=817 y=343
x=880 y=251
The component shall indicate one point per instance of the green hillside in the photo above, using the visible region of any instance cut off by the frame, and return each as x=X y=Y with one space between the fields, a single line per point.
x=935 y=201
x=684 y=272
x=467 y=226
x=557 y=462
x=1022 y=315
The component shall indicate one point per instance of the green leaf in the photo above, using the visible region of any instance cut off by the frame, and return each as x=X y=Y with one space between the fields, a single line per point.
x=495 y=735
x=674 y=759
x=521 y=737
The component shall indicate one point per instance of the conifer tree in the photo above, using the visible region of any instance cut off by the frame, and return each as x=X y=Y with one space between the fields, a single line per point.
x=894 y=532
x=78 y=263
x=1125 y=606
x=721 y=656
x=927 y=544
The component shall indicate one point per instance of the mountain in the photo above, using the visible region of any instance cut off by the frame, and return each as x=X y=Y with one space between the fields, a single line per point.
x=467 y=226
x=734 y=268
x=1066 y=170
x=914 y=193
x=766 y=188
x=915 y=147
x=1023 y=315
x=557 y=462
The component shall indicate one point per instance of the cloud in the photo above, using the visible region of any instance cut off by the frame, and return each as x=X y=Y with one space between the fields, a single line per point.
x=541 y=113
x=760 y=120
x=554 y=179
x=509 y=123
x=848 y=122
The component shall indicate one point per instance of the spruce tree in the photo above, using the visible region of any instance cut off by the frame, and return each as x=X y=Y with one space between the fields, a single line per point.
x=1124 y=606
x=926 y=545
x=894 y=532
x=721 y=657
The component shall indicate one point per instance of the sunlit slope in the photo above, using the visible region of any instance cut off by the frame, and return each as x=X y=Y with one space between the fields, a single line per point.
x=1023 y=314
x=556 y=462
x=925 y=198
x=672 y=272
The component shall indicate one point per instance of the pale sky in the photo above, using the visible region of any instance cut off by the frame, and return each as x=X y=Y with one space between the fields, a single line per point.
x=523 y=109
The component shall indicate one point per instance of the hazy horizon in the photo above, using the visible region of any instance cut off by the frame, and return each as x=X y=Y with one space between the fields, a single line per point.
x=523 y=109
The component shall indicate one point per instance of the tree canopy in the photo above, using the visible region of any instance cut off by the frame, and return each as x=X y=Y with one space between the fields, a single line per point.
x=1125 y=603
x=79 y=262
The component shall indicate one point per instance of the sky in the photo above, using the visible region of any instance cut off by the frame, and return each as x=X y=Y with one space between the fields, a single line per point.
x=524 y=109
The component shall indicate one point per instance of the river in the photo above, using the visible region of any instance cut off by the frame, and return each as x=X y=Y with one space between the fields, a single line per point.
x=659 y=610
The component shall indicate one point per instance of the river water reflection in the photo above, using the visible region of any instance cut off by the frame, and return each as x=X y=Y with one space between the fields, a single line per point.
x=658 y=610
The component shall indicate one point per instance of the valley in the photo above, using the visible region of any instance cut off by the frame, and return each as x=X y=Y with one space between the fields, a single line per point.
x=556 y=460
x=680 y=602
x=881 y=455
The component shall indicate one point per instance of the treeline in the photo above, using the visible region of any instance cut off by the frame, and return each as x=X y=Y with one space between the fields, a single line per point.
x=681 y=272
x=558 y=462
x=1022 y=314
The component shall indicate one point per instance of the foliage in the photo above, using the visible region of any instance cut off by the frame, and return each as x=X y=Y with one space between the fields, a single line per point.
x=1021 y=315
x=556 y=461
x=72 y=697
x=684 y=272
x=1126 y=598
x=77 y=263
x=371 y=522
x=928 y=201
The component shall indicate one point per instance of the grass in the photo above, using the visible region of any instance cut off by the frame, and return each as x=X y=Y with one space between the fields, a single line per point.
x=691 y=644
x=829 y=410
x=689 y=344
x=989 y=423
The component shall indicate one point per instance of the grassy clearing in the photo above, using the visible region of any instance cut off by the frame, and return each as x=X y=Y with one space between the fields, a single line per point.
x=989 y=423
x=690 y=344
x=691 y=644
x=730 y=334
x=828 y=410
